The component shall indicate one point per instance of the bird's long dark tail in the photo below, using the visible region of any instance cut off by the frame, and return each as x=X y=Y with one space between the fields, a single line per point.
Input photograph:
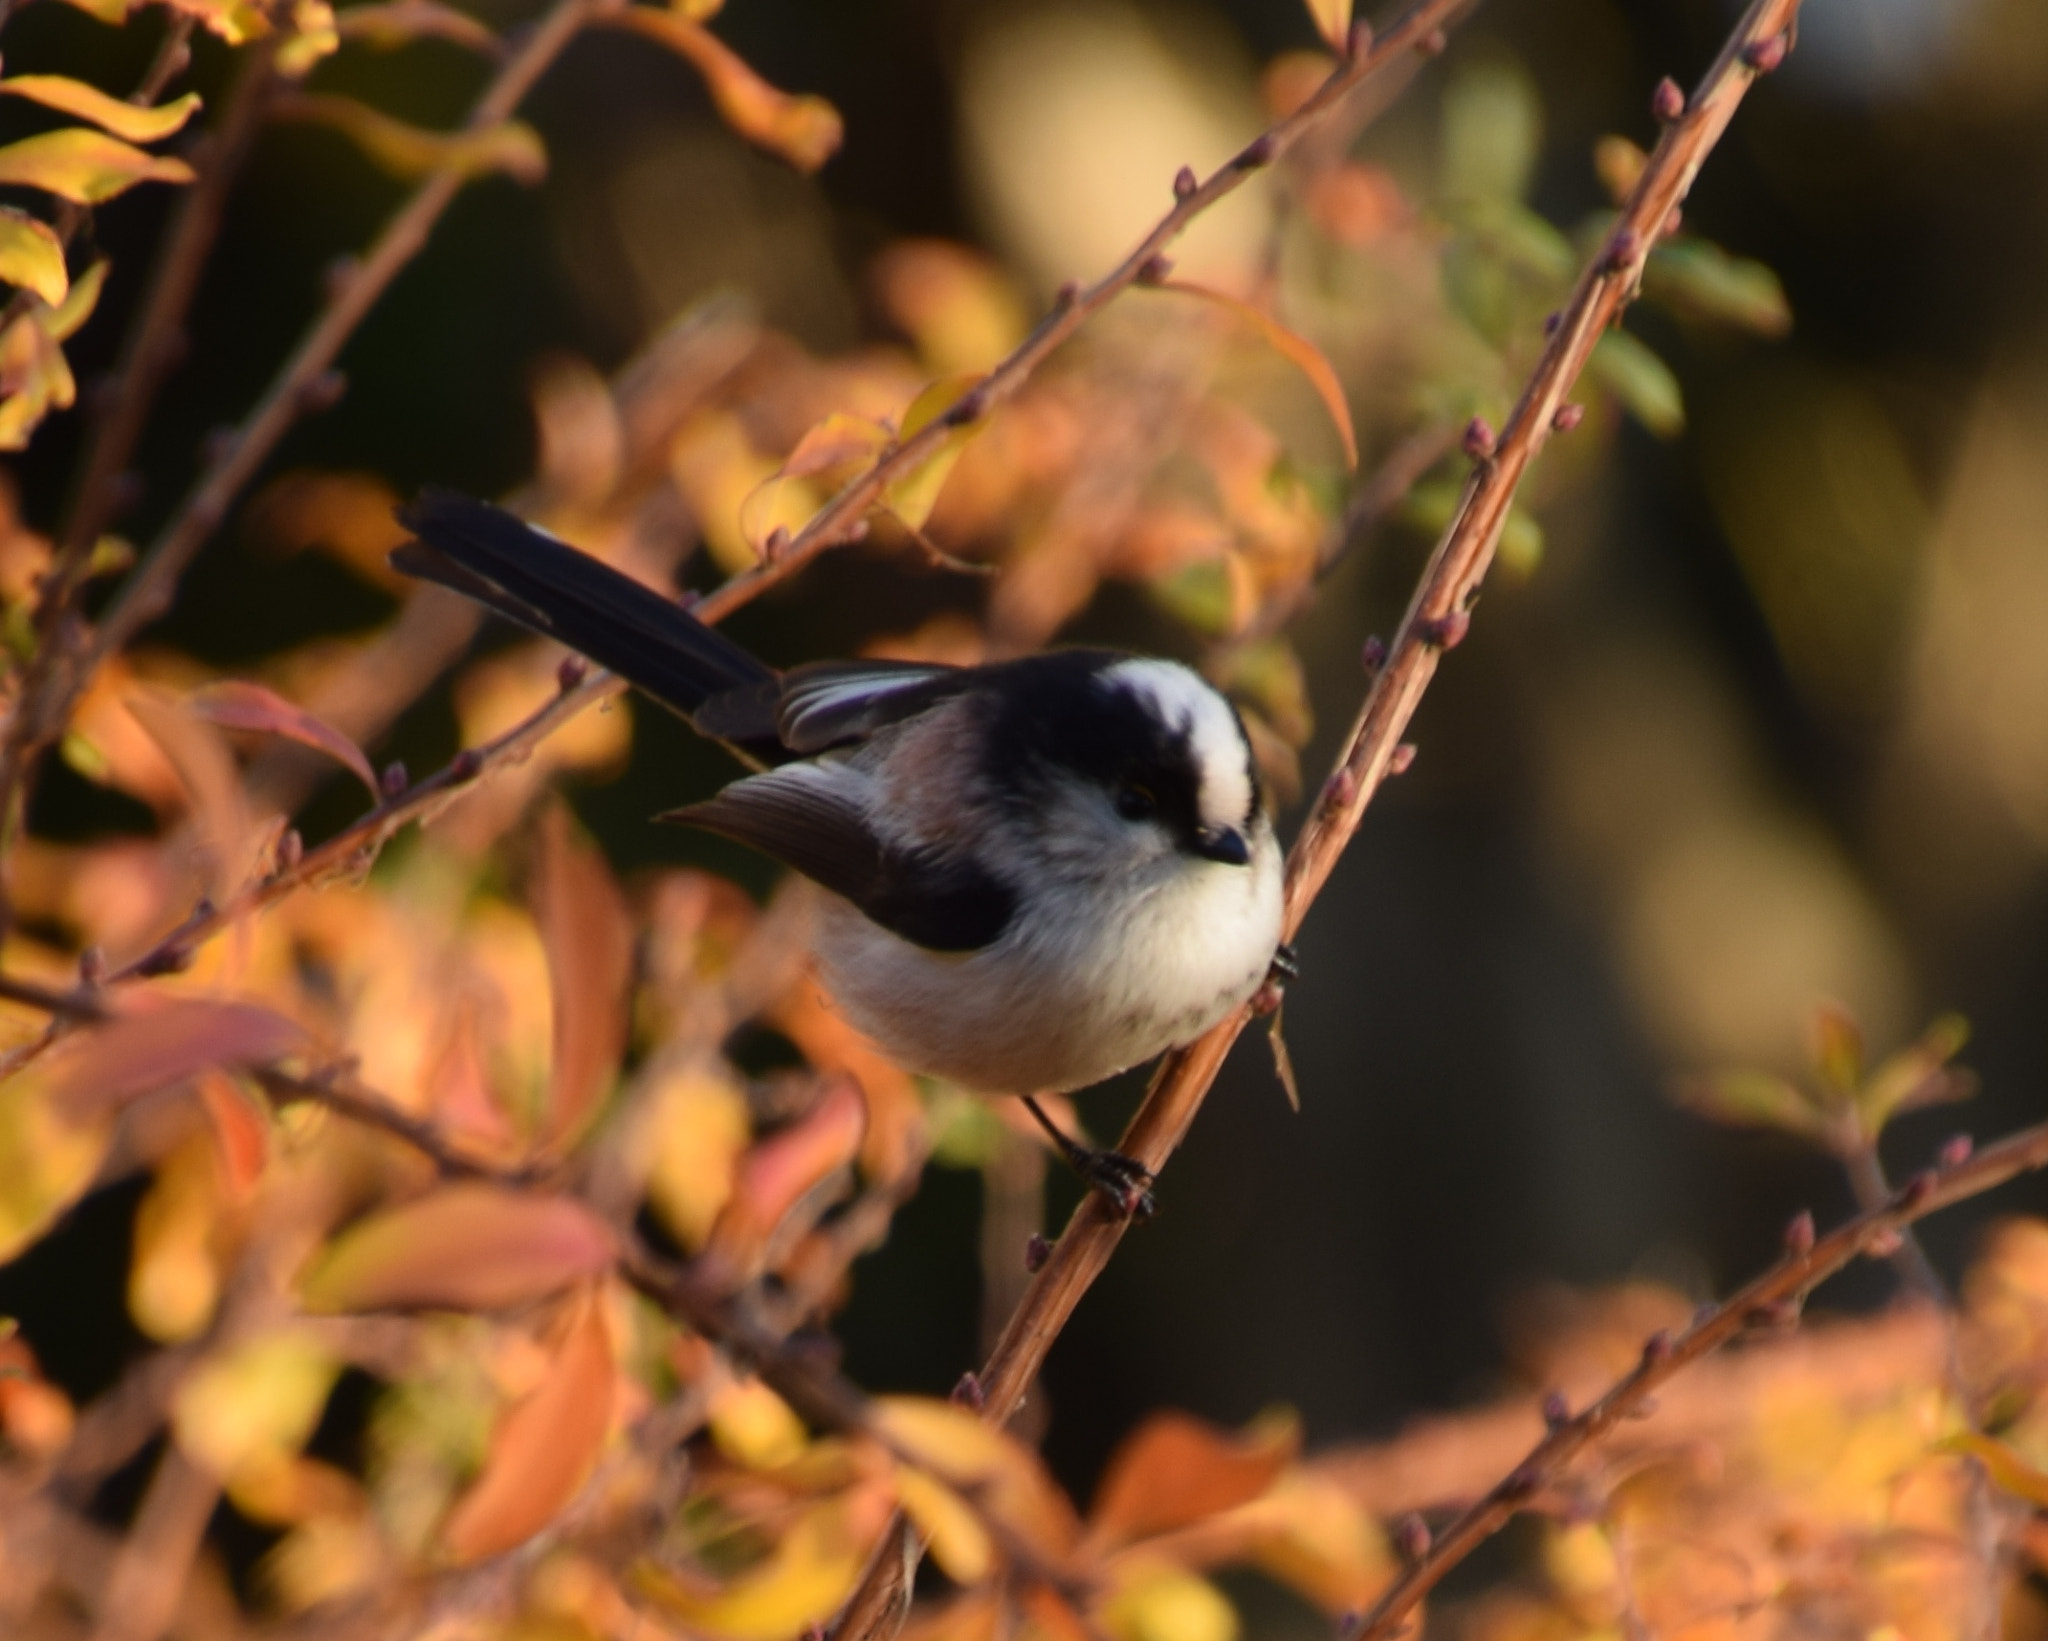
x=551 y=588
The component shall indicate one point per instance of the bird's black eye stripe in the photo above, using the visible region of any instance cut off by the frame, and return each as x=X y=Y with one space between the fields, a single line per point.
x=1135 y=802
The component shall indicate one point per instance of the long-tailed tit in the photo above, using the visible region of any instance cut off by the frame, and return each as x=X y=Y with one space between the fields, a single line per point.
x=1041 y=871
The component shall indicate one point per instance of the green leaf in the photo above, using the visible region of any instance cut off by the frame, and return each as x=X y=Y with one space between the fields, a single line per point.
x=1837 y=1049
x=1752 y=1099
x=1641 y=381
x=85 y=167
x=32 y=257
x=1696 y=277
x=1918 y=1076
x=1197 y=596
x=1492 y=128
x=125 y=120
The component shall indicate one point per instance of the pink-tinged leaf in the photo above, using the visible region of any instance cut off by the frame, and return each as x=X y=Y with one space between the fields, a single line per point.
x=588 y=934
x=1292 y=346
x=237 y=704
x=206 y=770
x=106 y=1066
x=805 y=131
x=1332 y=19
x=463 y=1247
x=1175 y=1470
x=546 y=1444
x=804 y=1161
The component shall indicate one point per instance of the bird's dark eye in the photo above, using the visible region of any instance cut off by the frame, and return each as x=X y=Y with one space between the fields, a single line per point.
x=1136 y=803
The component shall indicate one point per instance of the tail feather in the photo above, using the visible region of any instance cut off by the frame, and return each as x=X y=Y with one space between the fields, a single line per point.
x=553 y=589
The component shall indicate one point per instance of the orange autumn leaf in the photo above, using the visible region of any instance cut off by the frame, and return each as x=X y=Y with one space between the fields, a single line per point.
x=545 y=1445
x=895 y=1140
x=1332 y=19
x=588 y=934
x=241 y=1134
x=1007 y=1482
x=206 y=771
x=1176 y=1469
x=235 y=703
x=107 y=1066
x=805 y=131
x=462 y=1247
x=1292 y=346
x=804 y=1161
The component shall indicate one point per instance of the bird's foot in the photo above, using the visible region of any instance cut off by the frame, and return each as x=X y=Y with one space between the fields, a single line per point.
x=1124 y=1182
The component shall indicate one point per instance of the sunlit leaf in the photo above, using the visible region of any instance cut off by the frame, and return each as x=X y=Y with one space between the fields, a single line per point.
x=462 y=1247
x=588 y=934
x=110 y=1065
x=408 y=151
x=32 y=257
x=1753 y=1099
x=47 y=1158
x=912 y=496
x=1619 y=164
x=1297 y=349
x=35 y=378
x=958 y=1541
x=1006 y=1479
x=1176 y=1469
x=2012 y=1473
x=545 y=1445
x=235 y=21
x=1312 y=1535
x=239 y=704
x=112 y=12
x=753 y=1426
x=312 y=36
x=1697 y=277
x=801 y=1583
x=1917 y=1076
x=1163 y=1603
x=1837 y=1049
x=955 y=303
x=65 y=318
x=806 y=1160
x=124 y=120
x=241 y=1133
x=805 y=131
x=260 y=1397
x=347 y=515
x=842 y=440
x=174 y=1276
x=212 y=785
x=1641 y=381
x=1332 y=19
x=85 y=167
x=385 y=26
x=699 y=1129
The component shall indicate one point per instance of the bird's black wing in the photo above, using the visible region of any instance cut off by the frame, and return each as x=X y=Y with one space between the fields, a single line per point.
x=943 y=902
x=551 y=588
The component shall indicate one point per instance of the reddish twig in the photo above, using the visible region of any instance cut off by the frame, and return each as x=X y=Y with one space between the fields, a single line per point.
x=1437 y=618
x=1767 y=1300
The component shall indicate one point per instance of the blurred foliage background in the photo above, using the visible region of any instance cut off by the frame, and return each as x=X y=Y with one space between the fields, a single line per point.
x=1764 y=724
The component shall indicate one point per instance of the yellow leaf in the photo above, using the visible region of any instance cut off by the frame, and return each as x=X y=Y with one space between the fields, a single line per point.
x=174 y=1277
x=34 y=376
x=114 y=12
x=31 y=257
x=408 y=151
x=2012 y=1473
x=78 y=303
x=1167 y=1604
x=959 y=1543
x=386 y=24
x=1332 y=19
x=125 y=120
x=85 y=167
x=913 y=495
x=1292 y=346
x=801 y=1583
x=256 y=1401
x=699 y=1132
x=47 y=1158
x=753 y=1426
x=1008 y=1481
x=313 y=36
x=805 y=131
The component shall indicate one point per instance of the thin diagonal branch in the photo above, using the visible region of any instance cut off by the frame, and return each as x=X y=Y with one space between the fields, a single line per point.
x=1766 y=1300
x=1437 y=618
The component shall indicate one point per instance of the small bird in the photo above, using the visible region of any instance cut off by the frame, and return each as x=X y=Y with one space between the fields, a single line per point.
x=1040 y=871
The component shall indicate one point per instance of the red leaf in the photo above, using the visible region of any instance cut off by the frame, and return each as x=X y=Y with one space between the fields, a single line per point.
x=1297 y=349
x=589 y=939
x=106 y=1066
x=545 y=1445
x=237 y=704
x=463 y=1247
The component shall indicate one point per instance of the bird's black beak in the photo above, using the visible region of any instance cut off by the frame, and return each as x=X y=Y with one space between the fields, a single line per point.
x=1223 y=844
